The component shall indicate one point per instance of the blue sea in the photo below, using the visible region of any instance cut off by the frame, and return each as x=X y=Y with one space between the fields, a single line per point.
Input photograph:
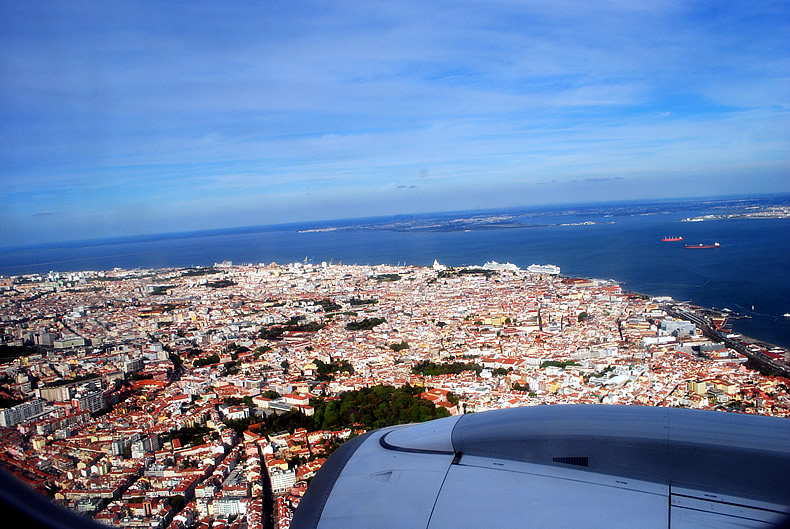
x=748 y=274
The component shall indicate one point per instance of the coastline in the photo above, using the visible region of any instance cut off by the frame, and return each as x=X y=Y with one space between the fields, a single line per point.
x=748 y=269
x=740 y=337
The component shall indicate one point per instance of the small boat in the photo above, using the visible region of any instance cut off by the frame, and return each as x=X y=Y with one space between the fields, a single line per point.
x=786 y=314
x=702 y=246
x=670 y=239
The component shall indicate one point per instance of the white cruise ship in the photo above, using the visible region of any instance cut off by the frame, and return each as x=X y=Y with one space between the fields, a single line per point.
x=493 y=265
x=544 y=269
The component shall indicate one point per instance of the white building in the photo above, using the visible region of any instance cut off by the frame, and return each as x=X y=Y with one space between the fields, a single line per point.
x=21 y=412
x=282 y=480
x=228 y=506
x=92 y=401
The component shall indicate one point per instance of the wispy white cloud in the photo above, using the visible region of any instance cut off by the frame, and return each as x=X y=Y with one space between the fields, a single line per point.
x=132 y=101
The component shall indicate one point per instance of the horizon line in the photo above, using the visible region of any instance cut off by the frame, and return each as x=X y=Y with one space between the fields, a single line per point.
x=253 y=228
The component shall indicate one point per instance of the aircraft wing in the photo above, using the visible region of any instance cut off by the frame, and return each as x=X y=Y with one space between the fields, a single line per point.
x=559 y=466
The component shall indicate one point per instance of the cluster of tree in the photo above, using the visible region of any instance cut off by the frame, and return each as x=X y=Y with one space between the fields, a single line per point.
x=446 y=274
x=10 y=352
x=326 y=371
x=375 y=407
x=260 y=350
x=290 y=421
x=518 y=387
x=192 y=352
x=176 y=502
x=236 y=348
x=368 y=408
x=161 y=290
x=198 y=272
x=387 y=277
x=399 y=346
x=357 y=301
x=582 y=316
x=275 y=332
x=222 y=283
x=501 y=371
x=200 y=362
x=558 y=363
x=364 y=325
x=194 y=435
x=311 y=326
x=231 y=367
x=327 y=305
x=235 y=401
x=271 y=333
x=432 y=369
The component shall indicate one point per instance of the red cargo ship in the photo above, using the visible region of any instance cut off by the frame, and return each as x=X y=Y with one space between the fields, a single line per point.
x=701 y=246
x=668 y=239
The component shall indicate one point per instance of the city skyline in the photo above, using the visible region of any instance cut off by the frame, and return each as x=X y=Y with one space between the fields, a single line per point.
x=185 y=398
x=136 y=118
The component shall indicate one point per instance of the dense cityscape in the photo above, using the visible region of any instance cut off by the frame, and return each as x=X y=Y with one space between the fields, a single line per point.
x=209 y=397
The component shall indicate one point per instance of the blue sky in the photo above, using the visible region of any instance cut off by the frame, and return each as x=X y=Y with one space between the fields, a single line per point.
x=122 y=118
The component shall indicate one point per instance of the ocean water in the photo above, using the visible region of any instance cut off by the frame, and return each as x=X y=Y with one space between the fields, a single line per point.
x=748 y=274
